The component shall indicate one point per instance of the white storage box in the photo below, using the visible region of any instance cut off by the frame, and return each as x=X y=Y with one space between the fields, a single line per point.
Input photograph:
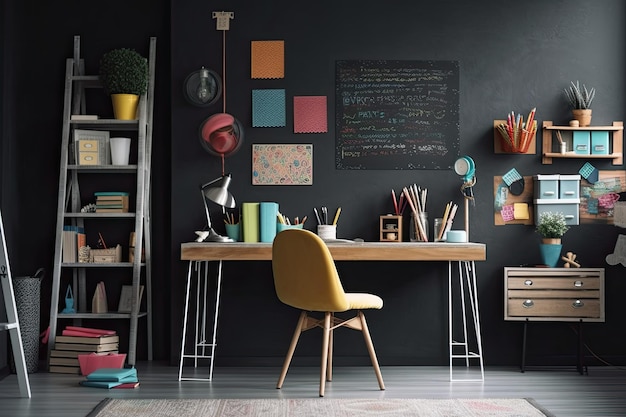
x=568 y=208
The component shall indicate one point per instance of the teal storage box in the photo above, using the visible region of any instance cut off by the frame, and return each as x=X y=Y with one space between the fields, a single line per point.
x=582 y=140
x=547 y=186
x=569 y=186
x=600 y=142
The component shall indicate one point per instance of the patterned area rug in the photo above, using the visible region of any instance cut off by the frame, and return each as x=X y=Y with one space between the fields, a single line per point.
x=326 y=407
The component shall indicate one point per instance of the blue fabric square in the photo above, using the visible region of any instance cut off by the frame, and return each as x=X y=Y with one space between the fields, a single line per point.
x=268 y=108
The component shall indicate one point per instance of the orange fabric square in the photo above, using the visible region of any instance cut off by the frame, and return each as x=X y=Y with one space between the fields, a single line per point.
x=268 y=59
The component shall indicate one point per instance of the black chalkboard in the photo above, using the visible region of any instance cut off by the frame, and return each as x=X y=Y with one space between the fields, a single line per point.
x=397 y=114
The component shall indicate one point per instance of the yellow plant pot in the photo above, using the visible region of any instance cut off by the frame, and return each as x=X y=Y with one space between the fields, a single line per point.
x=125 y=106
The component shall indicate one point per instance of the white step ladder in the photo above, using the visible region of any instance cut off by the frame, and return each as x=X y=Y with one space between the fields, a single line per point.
x=13 y=325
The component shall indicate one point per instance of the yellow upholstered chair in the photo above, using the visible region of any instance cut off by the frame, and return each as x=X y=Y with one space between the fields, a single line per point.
x=305 y=277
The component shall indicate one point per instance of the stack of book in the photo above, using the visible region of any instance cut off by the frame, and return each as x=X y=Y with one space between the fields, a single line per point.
x=73 y=239
x=112 y=378
x=111 y=202
x=75 y=341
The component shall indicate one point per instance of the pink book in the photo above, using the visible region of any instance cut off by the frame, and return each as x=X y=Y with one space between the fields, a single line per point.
x=86 y=331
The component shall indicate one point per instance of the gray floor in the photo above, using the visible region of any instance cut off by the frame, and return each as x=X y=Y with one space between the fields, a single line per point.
x=562 y=391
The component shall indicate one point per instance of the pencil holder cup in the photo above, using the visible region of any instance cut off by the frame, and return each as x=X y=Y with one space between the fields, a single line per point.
x=439 y=230
x=280 y=226
x=232 y=231
x=327 y=231
x=419 y=233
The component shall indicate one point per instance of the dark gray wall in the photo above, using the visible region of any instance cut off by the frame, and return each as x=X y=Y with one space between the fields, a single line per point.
x=512 y=55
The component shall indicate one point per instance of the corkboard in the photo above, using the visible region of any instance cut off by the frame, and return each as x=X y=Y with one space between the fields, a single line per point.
x=596 y=205
x=502 y=197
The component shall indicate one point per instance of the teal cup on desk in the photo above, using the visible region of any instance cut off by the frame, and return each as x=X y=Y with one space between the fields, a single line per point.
x=232 y=231
x=280 y=227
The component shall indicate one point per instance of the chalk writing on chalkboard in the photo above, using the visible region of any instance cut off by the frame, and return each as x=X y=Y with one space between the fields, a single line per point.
x=397 y=114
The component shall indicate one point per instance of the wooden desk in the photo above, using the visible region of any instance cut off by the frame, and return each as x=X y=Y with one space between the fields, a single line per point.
x=343 y=251
x=464 y=254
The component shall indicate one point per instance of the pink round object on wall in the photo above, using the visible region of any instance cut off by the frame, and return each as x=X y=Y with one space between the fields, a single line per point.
x=221 y=134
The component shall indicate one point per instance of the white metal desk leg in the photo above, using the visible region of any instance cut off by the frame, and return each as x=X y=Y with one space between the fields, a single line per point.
x=200 y=328
x=184 y=337
x=467 y=289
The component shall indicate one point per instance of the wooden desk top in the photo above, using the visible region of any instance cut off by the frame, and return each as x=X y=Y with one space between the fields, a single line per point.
x=341 y=251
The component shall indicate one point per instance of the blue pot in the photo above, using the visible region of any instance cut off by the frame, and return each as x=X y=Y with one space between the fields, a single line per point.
x=550 y=254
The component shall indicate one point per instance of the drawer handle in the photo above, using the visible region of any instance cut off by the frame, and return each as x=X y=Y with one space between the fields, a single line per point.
x=528 y=282
x=528 y=303
x=569 y=216
x=578 y=283
x=569 y=193
x=549 y=193
x=578 y=304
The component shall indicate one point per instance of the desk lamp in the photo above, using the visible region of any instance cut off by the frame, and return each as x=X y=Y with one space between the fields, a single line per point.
x=217 y=191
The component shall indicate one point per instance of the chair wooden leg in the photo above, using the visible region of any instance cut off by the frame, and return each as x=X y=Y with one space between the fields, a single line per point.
x=370 y=349
x=292 y=347
x=329 y=369
x=325 y=345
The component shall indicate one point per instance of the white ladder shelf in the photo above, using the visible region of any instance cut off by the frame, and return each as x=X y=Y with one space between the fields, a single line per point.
x=12 y=325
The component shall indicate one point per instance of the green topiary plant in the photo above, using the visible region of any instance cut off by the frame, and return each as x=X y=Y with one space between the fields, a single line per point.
x=124 y=71
x=579 y=98
x=552 y=225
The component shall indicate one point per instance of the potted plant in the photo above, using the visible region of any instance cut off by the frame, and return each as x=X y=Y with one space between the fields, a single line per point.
x=580 y=98
x=551 y=226
x=124 y=76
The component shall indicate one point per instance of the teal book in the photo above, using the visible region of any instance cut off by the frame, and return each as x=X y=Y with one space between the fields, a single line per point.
x=110 y=193
x=113 y=375
x=267 y=221
x=250 y=221
x=100 y=384
x=131 y=380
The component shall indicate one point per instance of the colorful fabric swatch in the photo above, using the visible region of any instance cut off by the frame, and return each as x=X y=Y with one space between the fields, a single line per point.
x=511 y=176
x=282 y=164
x=268 y=59
x=508 y=212
x=310 y=114
x=589 y=172
x=268 y=108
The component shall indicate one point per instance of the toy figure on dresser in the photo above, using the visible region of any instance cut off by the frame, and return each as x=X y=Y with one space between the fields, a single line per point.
x=570 y=260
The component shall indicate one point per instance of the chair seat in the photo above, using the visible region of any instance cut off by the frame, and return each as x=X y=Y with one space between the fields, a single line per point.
x=360 y=301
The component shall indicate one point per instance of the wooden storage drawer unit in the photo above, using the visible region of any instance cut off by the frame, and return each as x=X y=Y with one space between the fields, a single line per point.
x=554 y=294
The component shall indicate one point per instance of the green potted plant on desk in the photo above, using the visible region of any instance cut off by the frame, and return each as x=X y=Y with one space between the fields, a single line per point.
x=580 y=99
x=124 y=76
x=551 y=226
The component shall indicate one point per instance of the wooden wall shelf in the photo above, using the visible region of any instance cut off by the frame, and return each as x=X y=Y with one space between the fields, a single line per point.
x=617 y=143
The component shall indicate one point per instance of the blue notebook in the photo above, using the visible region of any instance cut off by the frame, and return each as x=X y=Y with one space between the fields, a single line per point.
x=113 y=375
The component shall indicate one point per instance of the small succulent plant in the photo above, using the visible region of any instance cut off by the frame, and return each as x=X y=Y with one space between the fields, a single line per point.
x=579 y=97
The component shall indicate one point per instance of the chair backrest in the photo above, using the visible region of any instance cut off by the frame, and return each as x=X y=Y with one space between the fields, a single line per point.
x=305 y=275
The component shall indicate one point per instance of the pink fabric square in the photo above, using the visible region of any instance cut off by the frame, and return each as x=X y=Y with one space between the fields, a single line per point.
x=507 y=212
x=310 y=114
